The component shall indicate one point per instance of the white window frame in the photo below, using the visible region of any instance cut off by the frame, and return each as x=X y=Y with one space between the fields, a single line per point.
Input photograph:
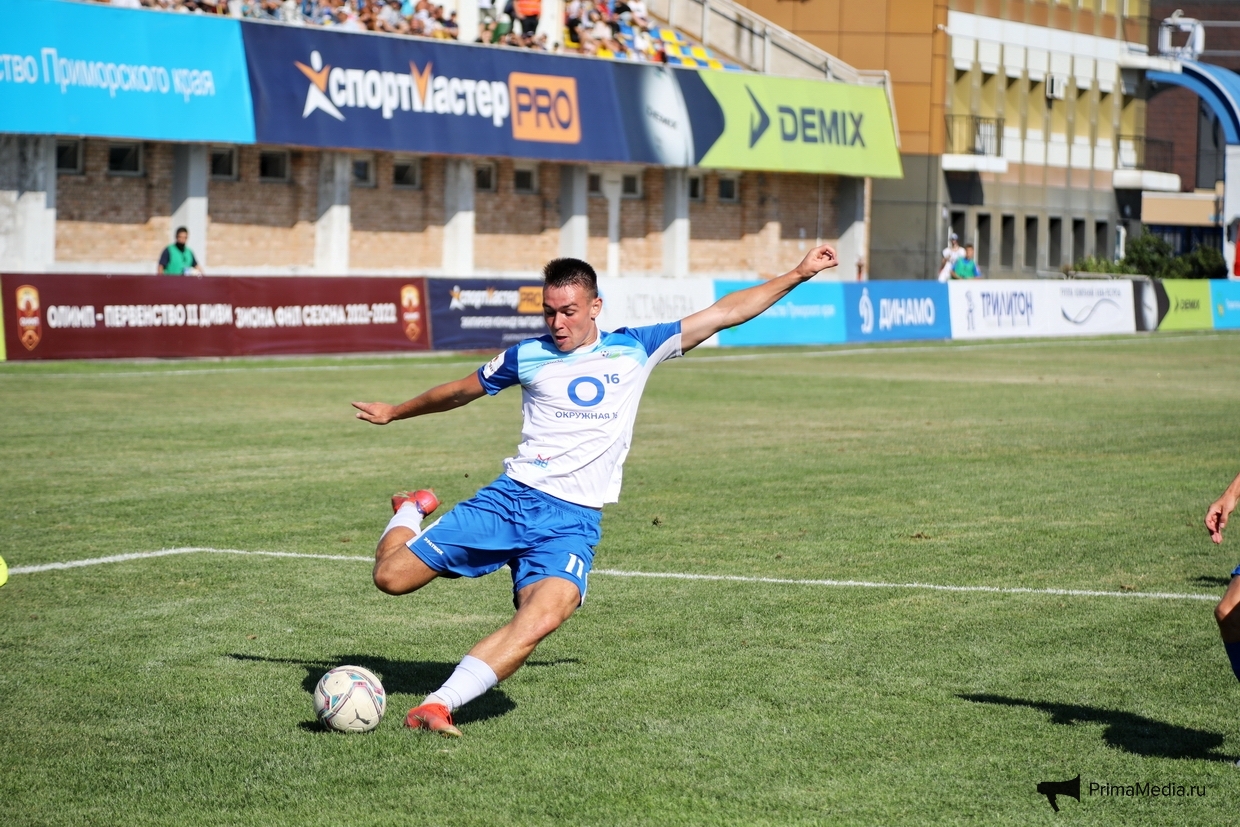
x=371 y=179
x=288 y=166
x=532 y=169
x=700 y=178
x=494 y=172
x=232 y=152
x=736 y=189
x=127 y=173
x=414 y=161
x=79 y=166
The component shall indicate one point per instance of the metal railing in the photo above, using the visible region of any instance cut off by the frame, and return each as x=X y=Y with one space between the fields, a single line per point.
x=1140 y=152
x=972 y=135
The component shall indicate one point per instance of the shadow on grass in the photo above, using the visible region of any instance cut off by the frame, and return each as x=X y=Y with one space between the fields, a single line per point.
x=1126 y=730
x=1207 y=580
x=420 y=677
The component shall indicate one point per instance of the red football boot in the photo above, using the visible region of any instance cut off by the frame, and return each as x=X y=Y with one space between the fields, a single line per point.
x=423 y=499
x=432 y=718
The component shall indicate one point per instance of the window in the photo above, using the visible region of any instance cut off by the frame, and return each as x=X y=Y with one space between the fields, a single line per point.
x=223 y=163
x=69 y=157
x=273 y=166
x=695 y=188
x=484 y=177
x=407 y=173
x=1031 y=241
x=1078 y=239
x=983 y=240
x=1007 y=242
x=594 y=184
x=363 y=171
x=1054 y=241
x=1100 y=240
x=125 y=159
x=525 y=180
x=729 y=190
x=630 y=186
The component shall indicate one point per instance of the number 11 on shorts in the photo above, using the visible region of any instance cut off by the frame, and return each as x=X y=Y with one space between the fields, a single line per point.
x=576 y=566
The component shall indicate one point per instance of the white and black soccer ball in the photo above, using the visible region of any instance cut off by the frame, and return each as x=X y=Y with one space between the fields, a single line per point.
x=350 y=699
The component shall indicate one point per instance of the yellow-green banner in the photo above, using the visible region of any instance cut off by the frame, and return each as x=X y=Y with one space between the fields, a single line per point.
x=792 y=125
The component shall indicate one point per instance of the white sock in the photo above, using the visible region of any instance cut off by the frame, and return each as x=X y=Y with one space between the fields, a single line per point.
x=407 y=516
x=471 y=678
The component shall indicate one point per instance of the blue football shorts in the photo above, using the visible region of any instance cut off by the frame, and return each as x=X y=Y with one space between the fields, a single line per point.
x=1235 y=571
x=510 y=524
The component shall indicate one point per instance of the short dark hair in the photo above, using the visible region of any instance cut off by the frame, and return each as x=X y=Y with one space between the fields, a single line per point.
x=561 y=272
x=181 y=230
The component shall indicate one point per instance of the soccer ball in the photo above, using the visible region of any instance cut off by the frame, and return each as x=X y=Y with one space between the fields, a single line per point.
x=350 y=699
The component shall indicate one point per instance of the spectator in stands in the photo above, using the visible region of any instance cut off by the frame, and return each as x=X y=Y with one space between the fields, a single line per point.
x=178 y=259
x=528 y=13
x=965 y=267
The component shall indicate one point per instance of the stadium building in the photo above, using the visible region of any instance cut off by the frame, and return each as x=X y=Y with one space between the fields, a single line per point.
x=1022 y=124
x=301 y=150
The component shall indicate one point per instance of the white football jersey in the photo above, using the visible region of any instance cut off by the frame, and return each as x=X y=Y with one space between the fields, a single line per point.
x=579 y=408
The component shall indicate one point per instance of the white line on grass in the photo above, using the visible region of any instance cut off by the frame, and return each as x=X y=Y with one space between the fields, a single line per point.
x=727 y=578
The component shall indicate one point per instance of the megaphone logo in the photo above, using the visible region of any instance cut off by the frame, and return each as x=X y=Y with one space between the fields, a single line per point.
x=1050 y=789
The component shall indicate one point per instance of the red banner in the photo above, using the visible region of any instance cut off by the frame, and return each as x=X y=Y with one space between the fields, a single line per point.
x=56 y=316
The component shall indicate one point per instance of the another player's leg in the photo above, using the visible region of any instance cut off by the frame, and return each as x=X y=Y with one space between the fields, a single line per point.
x=397 y=570
x=1227 y=614
x=542 y=607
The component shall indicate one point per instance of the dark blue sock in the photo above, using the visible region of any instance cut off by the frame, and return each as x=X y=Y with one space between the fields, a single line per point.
x=1233 y=654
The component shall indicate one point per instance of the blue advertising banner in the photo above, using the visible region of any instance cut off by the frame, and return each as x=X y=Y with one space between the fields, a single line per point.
x=79 y=69
x=483 y=314
x=313 y=87
x=1225 y=304
x=813 y=314
x=893 y=310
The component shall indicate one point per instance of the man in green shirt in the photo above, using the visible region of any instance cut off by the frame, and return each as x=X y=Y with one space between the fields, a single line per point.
x=966 y=268
x=177 y=258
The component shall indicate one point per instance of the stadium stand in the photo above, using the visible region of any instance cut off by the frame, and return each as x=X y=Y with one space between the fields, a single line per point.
x=613 y=29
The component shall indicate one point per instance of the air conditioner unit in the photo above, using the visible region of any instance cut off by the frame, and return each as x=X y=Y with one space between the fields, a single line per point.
x=1056 y=87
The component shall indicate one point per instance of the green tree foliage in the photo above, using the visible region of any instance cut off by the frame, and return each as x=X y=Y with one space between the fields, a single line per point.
x=1150 y=255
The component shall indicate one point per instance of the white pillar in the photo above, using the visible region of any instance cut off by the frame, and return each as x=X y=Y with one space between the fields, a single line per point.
x=1231 y=206
x=611 y=191
x=551 y=22
x=676 y=223
x=334 y=224
x=467 y=21
x=190 y=170
x=574 y=220
x=852 y=242
x=27 y=202
x=458 y=217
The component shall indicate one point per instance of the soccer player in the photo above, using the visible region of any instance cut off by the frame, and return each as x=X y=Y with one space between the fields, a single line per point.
x=580 y=391
x=1225 y=612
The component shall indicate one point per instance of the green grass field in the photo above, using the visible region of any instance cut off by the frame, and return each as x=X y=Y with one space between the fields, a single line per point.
x=176 y=690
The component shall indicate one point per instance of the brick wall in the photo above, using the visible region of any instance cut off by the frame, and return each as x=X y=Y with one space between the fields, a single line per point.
x=108 y=217
x=253 y=223
x=266 y=224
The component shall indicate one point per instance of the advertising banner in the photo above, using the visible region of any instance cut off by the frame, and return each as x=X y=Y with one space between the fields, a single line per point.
x=315 y=87
x=893 y=310
x=85 y=69
x=484 y=314
x=802 y=125
x=1225 y=298
x=1184 y=304
x=84 y=317
x=1091 y=307
x=813 y=314
x=633 y=302
x=984 y=309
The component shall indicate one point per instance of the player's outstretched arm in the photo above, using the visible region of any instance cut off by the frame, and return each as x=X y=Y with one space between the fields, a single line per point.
x=1220 y=510
x=743 y=305
x=440 y=398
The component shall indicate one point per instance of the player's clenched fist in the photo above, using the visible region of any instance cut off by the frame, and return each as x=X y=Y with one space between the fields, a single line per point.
x=817 y=260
